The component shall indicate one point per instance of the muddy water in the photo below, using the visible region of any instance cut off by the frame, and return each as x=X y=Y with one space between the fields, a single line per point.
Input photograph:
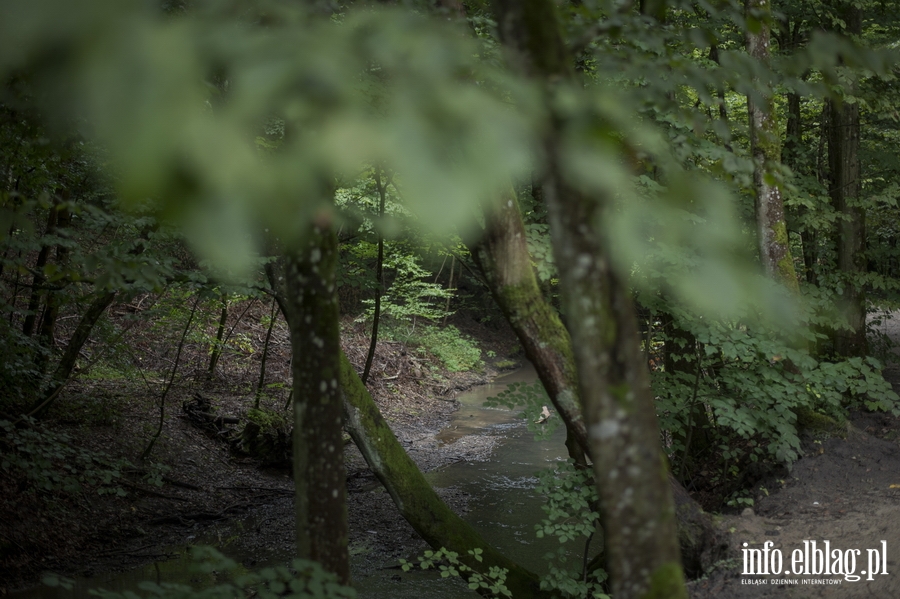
x=503 y=507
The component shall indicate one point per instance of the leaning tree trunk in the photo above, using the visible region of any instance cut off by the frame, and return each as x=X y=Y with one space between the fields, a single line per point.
x=765 y=147
x=312 y=314
x=502 y=256
x=843 y=160
x=638 y=514
x=436 y=523
x=70 y=356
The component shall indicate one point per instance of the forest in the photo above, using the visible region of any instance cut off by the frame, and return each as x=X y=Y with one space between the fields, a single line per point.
x=261 y=245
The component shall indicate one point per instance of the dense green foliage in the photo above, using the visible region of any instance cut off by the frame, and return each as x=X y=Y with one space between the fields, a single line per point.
x=156 y=157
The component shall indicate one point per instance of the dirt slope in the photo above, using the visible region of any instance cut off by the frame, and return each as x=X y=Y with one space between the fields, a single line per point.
x=845 y=491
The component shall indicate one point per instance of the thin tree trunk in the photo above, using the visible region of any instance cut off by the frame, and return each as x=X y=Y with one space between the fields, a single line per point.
x=47 y=328
x=38 y=279
x=319 y=475
x=435 y=522
x=73 y=348
x=265 y=355
x=80 y=336
x=774 y=245
x=379 y=281
x=682 y=360
x=790 y=156
x=165 y=393
x=450 y=288
x=220 y=335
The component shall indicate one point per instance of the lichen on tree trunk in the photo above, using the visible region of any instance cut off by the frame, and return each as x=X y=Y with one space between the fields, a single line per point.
x=765 y=147
x=319 y=476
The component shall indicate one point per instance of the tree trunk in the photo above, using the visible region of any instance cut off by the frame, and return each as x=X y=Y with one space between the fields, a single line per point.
x=682 y=360
x=843 y=160
x=379 y=279
x=165 y=391
x=638 y=513
x=319 y=475
x=73 y=348
x=38 y=279
x=774 y=245
x=436 y=523
x=503 y=258
x=47 y=329
x=218 y=344
x=260 y=383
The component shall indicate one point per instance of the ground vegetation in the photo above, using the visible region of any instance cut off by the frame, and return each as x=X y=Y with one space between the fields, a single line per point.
x=684 y=213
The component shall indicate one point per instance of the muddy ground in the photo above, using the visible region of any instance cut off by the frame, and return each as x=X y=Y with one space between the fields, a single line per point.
x=206 y=485
x=844 y=490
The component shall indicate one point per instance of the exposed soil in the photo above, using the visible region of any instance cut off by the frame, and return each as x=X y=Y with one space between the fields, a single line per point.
x=844 y=490
x=206 y=484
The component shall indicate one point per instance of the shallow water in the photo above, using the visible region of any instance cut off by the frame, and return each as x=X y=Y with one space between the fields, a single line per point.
x=503 y=508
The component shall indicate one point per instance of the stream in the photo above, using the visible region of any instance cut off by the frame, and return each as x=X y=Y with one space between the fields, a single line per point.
x=503 y=508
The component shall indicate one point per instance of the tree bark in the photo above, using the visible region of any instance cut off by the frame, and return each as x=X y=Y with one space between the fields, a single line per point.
x=638 y=513
x=843 y=160
x=319 y=476
x=774 y=245
x=503 y=258
x=436 y=523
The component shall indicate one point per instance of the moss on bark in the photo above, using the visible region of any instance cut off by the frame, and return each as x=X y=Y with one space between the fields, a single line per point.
x=435 y=522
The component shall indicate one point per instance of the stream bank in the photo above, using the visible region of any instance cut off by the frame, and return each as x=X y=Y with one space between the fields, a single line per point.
x=206 y=488
x=488 y=473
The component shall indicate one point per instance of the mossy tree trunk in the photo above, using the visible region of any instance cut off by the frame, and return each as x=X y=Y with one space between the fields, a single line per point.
x=638 y=513
x=765 y=147
x=503 y=258
x=435 y=522
x=311 y=308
